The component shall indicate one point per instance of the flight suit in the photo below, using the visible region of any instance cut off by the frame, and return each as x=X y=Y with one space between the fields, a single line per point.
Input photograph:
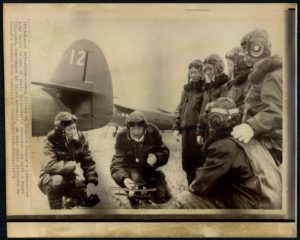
x=186 y=122
x=263 y=104
x=58 y=176
x=234 y=176
x=130 y=161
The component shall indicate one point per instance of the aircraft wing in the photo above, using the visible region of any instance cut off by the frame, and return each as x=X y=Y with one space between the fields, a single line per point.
x=163 y=111
x=124 y=109
x=164 y=120
x=62 y=87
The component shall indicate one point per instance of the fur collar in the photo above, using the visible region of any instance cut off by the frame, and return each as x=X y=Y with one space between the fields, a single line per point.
x=240 y=78
x=263 y=67
x=219 y=81
x=191 y=86
x=214 y=137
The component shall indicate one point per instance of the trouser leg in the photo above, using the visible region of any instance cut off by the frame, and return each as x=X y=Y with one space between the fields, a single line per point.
x=54 y=186
x=77 y=191
x=162 y=193
x=188 y=200
x=192 y=156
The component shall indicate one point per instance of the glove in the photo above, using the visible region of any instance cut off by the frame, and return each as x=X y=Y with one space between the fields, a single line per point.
x=152 y=159
x=90 y=189
x=176 y=135
x=91 y=201
x=129 y=183
x=79 y=172
x=200 y=140
x=243 y=132
x=209 y=106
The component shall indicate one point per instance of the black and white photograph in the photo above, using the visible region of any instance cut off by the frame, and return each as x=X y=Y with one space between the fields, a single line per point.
x=150 y=111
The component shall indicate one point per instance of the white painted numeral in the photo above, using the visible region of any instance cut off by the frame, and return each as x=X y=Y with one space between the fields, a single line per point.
x=81 y=57
x=80 y=61
x=72 y=57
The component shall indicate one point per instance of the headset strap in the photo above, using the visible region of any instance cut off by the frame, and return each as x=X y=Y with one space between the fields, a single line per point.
x=225 y=111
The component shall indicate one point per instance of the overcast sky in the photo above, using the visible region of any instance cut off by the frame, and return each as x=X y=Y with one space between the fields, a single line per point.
x=147 y=47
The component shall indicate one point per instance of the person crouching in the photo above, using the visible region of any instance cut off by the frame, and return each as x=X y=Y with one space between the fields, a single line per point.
x=66 y=151
x=139 y=151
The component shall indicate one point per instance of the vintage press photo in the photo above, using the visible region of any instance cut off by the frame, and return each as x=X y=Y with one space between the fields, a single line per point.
x=130 y=112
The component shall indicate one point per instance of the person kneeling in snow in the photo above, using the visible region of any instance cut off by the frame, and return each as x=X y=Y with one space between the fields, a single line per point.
x=235 y=175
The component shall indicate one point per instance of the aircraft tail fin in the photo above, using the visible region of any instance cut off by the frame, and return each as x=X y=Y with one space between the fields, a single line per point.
x=83 y=81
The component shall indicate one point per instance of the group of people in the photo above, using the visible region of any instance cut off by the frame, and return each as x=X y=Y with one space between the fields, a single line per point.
x=231 y=134
x=231 y=128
